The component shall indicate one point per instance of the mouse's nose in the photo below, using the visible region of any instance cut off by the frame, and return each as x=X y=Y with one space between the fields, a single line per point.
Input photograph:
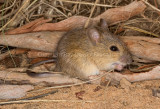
x=126 y=58
x=118 y=66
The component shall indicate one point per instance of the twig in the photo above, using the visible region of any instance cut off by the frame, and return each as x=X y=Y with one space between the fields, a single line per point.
x=26 y=2
x=27 y=101
x=9 y=6
x=55 y=9
x=141 y=30
x=151 y=5
x=40 y=96
x=87 y=3
x=7 y=15
x=155 y=3
x=31 y=5
x=87 y=22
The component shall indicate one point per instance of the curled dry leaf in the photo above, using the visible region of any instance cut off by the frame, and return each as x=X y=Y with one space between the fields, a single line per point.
x=14 y=91
x=151 y=75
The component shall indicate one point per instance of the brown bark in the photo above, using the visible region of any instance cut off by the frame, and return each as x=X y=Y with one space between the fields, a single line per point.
x=140 y=46
x=58 y=79
x=143 y=47
x=23 y=78
x=43 y=41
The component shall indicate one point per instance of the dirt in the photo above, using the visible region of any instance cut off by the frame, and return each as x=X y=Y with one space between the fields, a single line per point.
x=88 y=96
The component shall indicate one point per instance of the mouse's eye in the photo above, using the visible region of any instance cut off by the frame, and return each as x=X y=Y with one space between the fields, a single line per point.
x=114 y=48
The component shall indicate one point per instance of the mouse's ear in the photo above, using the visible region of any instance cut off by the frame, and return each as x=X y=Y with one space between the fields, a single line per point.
x=103 y=24
x=93 y=35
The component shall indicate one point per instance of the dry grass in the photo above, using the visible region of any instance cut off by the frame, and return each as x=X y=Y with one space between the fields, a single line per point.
x=29 y=10
x=15 y=13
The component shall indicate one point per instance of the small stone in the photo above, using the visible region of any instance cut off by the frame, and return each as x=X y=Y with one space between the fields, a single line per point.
x=156 y=92
x=125 y=84
x=125 y=103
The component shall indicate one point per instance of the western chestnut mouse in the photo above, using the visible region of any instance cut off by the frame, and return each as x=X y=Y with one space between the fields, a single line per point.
x=85 y=52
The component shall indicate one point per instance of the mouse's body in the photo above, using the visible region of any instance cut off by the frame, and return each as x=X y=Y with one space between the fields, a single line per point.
x=85 y=52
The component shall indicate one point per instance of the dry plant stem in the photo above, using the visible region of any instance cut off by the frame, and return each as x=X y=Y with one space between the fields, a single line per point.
x=50 y=10
x=87 y=22
x=20 y=16
x=40 y=7
x=12 y=52
x=141 y=30
x=151 y=5
x=34 y=1
x=7 y=15
x=26 y=2
x=9 y=6
x=155 y=3
x=21 y=69
x=112 y=16
x=36 y=101
x=55 y=9
x=86 y=3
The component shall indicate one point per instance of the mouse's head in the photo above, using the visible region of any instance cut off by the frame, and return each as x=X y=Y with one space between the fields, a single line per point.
x=107 y=50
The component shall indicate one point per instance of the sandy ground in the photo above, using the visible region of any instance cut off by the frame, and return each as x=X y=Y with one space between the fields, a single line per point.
x=135 y=96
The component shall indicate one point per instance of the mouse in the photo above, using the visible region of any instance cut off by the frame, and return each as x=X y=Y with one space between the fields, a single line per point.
x=85 y=52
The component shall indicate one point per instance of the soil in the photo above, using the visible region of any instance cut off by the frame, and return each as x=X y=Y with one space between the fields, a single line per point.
x=88 y=96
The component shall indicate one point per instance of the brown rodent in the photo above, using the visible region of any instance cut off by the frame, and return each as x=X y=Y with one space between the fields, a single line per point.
x=85 y=52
